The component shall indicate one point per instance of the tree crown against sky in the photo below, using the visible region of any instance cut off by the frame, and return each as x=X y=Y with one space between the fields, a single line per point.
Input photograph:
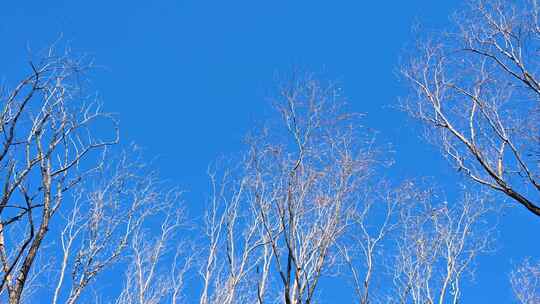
x=476 y=89
x=315 y=208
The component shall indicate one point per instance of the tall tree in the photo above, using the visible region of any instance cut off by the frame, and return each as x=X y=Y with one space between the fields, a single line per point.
x=65 y=195
x=476 y=88
x=48 y=140
x=284 y=209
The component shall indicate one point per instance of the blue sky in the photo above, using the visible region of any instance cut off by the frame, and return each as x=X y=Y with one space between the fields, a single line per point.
x=189 y=78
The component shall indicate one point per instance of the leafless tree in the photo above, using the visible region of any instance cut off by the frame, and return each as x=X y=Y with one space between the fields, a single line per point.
x=48 y=141
x=410 y=237
x=237 y=254
x=158 y=262
x=108 y=224
x=438 y=245
x=291 y=199
x=477 y=91
x=66 y=195
x=525 y=282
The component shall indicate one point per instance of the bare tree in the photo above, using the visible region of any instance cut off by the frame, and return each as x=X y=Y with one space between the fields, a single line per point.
x=525 y=282
x=158 y=262
x=477 y=91
x=108 y=223
x=413 y=239
x=438 y=245
x=47 y=128
x=237 y=253
x=291 y=199
x=66 y=195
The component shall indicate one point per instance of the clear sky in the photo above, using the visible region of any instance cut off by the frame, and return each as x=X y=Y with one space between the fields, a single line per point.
x=189 y=78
